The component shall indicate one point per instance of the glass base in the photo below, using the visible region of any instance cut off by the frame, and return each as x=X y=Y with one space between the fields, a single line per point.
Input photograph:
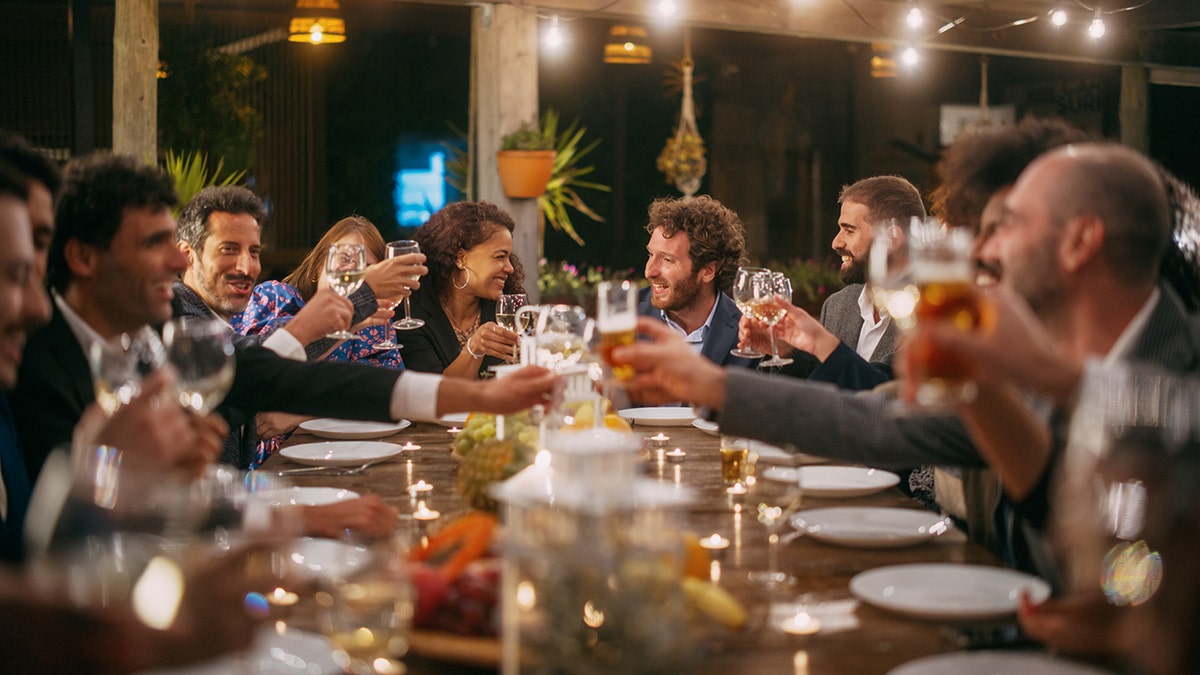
x=775 y=362
x=407 y=324
x=386 y=346
x=747 y=353
x=341 y=335
x=771 y=579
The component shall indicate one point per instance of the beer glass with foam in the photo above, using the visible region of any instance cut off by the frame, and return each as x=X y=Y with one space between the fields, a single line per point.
x=616 y=319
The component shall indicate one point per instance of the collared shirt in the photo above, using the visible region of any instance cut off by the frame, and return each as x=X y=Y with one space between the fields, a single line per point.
x=872 y=331
x=696 y=338
x=1125 y=341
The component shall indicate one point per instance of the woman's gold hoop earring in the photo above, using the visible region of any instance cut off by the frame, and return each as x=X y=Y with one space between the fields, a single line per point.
x=466 y=281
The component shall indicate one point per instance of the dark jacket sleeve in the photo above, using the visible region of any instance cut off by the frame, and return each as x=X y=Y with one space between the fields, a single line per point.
x=848 y=370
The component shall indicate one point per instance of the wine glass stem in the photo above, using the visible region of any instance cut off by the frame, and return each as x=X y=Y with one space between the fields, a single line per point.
x=389 y=333
x=407 y=310
x=772 y=556
x=774 y=351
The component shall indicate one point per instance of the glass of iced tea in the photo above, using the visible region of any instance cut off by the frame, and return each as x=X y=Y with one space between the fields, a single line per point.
x=616 y=319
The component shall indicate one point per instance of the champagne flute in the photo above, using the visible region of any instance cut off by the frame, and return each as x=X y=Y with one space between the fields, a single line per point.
x=763 y=306
x=393 y=249
x=742 y=293
x=774 y=494
x=202 y=352
x=345 y=269
x=506 y=315
x=403 y=247
x=119 y=365
x=616 y=319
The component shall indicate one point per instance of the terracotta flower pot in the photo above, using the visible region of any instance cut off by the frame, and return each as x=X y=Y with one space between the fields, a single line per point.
x=524 y=173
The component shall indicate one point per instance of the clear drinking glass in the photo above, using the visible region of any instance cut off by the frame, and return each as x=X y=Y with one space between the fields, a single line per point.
x=392 y=250
x=616 y=319
x=201 y=350
x=507 y=308
x=563 y=334
x=775 y=495
x=764 y=307
x=402 y=247
x=345 y=269
x=742 y=293
x=119 y=365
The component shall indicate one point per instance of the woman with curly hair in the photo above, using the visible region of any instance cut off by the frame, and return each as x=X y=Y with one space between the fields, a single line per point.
x=468 y=250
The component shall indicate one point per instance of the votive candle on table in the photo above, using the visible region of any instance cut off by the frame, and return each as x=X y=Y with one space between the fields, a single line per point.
x=424 y=513
x=675 y=455
x=419 y=489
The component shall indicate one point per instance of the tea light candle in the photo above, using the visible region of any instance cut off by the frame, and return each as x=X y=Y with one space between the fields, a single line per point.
x=425 y=513
x=659 y=439
x=676 y=455
x=453 y=431
x=282 y=598
x=419 y=488
x=714 y=543
x=409 y=446
x=736 y=489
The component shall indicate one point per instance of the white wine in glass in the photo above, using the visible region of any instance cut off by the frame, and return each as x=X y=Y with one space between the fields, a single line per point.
x=345 y=269
x=119 y=365
x=201 y=351
x=506 y=315
x=741 y=293
x=766 y=309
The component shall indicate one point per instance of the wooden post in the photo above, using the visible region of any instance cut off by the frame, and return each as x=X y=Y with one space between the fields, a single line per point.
x=135 y=81
x=504 y=53
x=1135 y=108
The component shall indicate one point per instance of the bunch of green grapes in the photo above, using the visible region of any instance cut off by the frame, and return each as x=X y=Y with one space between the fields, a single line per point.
x=482 y=427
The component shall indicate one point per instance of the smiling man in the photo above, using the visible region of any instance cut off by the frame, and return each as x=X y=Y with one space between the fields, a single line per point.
x=696 y=246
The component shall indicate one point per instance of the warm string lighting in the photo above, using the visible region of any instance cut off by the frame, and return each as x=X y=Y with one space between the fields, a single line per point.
x=554 y=39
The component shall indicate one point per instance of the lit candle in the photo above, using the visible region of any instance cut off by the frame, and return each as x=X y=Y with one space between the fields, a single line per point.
x=676 y=455
x=410 y=446
x=282 y=598
x=660 y=438
x=425 y=513
x=736 y=489
x=715 y=542
x=418 y=488
x=453 y=431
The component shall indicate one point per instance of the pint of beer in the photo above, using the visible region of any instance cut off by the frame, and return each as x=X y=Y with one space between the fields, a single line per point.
x=616 y=320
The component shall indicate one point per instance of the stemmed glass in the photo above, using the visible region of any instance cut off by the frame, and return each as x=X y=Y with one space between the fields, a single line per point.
x=402 y=247
x=774 y=494
x=506 y=315
x=393 y=249
x=119 y=365
x=742 y=293
x=763 y=306
x=345 y=268
x=201 y=350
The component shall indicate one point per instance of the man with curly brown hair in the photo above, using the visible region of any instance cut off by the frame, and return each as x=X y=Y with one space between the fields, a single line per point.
x=696 y=246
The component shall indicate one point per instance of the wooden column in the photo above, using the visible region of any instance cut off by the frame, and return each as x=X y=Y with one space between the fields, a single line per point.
x=1135 y=108
x=135 y=83
x=504 y=80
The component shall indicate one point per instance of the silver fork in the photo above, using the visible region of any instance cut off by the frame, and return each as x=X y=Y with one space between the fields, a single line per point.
x=333 y=470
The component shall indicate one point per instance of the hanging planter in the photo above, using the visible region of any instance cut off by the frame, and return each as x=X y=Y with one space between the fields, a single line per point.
x=682 y=159
x=525 y=173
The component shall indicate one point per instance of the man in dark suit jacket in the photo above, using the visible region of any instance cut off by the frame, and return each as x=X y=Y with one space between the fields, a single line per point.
x=696 y=246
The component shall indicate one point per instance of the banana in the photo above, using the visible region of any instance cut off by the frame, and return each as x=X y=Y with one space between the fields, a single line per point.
x=714 y=602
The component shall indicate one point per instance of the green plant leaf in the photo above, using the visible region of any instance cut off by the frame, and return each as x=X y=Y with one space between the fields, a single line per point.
x=190 y=173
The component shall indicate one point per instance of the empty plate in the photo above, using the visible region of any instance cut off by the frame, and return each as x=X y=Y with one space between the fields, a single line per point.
x=315 y=496
x=659 y=417
x=707 y=426
x=350 y=430
x=453 y=420
x=341 y=453
x=947 y=591
x=845 y=481
x=871 y=527
x=996 y=663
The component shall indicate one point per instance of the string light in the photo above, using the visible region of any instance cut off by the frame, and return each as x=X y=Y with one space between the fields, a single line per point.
x=1058 y=16
x=1096 y=29
x=667 y=8
x=554 y=36
x=915 y=17
x=910 y=57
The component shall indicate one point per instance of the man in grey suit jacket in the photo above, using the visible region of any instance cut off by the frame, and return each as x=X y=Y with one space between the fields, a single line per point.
x=696 y=246
x=1083 y=233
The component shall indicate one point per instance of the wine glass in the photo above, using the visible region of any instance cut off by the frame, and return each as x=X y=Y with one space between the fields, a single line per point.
x=616 y=319
x=506 y=315
x=742 y=293
x=563 y=334
x=774 y=493
x=201 y=350
x=403 y=247
x=119 y=365
x=763 y=306
x=345 y=268
x=393 y=249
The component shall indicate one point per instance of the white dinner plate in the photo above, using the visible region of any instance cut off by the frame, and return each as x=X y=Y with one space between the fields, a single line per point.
x=453 y=420
x=341 y=453
x=276 y=651
x=707 y=426
x=996 y=663
x=659 y=417
x=845 y=481
x=315 y=496
x=313 y=558
x=352 y=430
x=947 y=591
x=776 y=453
x=871 y=527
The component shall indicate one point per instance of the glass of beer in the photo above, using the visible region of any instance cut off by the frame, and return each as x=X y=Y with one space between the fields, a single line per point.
x=616 y=319
x=941 y=270
x=735 y=460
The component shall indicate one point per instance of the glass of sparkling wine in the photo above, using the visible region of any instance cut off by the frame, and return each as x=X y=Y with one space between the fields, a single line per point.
x=345 y=268
x=201 y=350
x=774 y=494
x=367 y=613
x=403 y=247
x=506 y=315
x=742 y=293
x=616 y=319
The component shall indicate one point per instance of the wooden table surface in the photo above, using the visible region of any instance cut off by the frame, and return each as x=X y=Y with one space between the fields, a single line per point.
x=856 y=639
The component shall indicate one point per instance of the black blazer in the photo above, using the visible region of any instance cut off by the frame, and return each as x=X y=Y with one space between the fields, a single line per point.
x=722 y=332
x=433 y=346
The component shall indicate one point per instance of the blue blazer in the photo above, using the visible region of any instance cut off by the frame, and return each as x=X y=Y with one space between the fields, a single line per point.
x=722 y=333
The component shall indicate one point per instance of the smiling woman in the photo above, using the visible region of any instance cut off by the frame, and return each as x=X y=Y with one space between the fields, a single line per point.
x=468 y=249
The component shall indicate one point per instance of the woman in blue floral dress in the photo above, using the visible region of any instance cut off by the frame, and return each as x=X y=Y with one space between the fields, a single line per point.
x=274 y=303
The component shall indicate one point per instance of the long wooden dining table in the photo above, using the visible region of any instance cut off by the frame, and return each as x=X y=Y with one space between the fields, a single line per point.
x=854 y=638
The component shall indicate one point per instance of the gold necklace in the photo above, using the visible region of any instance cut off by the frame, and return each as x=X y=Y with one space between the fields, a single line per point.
x=461 y=334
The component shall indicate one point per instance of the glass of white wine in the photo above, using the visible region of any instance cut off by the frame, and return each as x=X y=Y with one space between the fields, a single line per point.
x=506 y=315
x=403 y=247
x=763 y=307
x=345 y=268
x=201 y=350
x=119 y=365
x=774 y=494
x=742 y=293
x=367 y=613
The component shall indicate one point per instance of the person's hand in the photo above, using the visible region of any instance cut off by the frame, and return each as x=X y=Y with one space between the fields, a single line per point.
x=394 y=277
x=271 y=424
x=667 y=369
x=1083 y=624
x=379 y=318
x=492 y=339
x=752 y=334
x=368 y=516
x=324 y=313
x=521 y=389
x=803 y=331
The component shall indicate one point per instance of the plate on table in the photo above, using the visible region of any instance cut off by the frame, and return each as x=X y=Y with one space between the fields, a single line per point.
x=707 y=426
x=351 y=430
x=871 y=527
x=996 y=663
x=275 y=651
x=947 y=591
x=659 y=417
x=341 y=453
x=845 y=481
x=776 y=453
x=453 y=420
x=315 y=496
x=314 y=558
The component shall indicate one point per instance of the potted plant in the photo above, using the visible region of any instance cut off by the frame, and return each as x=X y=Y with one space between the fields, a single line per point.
x=526 y=160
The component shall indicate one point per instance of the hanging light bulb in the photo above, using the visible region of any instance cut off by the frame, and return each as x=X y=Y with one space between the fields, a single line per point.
x=915 y=17
x=910 y=56
x=1058 y=16
x=667 y=8
x=554 y=37
x=1096 y=29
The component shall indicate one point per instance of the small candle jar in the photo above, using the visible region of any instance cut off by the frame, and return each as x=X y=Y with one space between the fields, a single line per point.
x=675 y=455
x=409 y=446
x=424 y=513
x=419 y=489
x=714 y=543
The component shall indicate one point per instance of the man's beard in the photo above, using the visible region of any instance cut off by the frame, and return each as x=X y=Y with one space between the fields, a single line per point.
x=222 y=305
x=682 y=294
x=856 y=273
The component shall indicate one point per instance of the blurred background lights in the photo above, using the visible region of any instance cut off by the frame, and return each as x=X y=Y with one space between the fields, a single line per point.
x=915 y=17
x=554 y=36
x=910 y=56
x=1096 y=30
x=667 y=8
x=1058 y=17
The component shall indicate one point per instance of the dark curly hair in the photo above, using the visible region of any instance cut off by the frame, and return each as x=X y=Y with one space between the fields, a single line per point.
x=461 y=226
x=715 y=233
x=980 y=163
x=304 y=277
x=193 y=219
x=97 y=188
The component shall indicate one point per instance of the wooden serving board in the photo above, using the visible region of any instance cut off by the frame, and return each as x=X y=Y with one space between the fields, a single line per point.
x=475 y=651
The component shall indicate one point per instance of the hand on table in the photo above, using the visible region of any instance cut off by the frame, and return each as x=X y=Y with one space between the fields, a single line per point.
x=369 y=516
x=667 y=369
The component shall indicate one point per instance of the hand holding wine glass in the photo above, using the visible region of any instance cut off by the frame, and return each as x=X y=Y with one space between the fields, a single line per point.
x=765 y=286
x=507 y=308
x=742 y=294
x=396 y=249
x=345 y=266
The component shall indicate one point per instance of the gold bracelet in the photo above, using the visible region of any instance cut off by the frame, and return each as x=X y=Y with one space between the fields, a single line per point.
x=470 y=351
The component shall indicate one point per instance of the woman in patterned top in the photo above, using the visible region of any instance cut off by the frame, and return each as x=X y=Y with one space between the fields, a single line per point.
x=274 y=303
